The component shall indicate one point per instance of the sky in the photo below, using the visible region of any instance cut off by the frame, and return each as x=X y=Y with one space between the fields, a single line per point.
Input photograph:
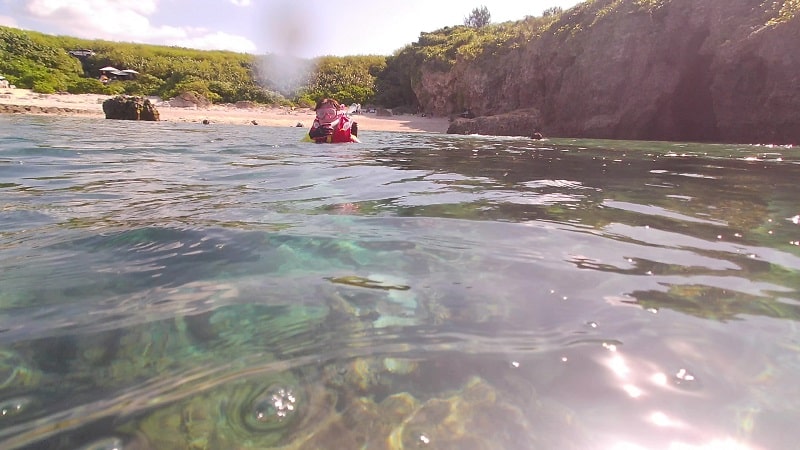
x=301 y=28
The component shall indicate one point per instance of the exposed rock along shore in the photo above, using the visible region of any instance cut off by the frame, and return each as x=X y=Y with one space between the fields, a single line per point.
x=33 y=109
x=716 y=70
x=25 y=101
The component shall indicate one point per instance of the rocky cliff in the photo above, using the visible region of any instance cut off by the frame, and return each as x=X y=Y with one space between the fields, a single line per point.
x=684 y=70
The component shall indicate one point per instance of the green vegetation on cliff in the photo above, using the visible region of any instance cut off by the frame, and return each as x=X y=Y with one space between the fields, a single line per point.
x=783 y=12
x=42 y=62
x=440 y=50
x=444 y=47
x=473 y=61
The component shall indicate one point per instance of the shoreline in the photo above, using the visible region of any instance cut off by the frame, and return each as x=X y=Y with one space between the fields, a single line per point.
x=25 y=101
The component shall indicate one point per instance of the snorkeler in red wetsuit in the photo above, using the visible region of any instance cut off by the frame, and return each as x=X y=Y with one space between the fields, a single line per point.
x=332 y=124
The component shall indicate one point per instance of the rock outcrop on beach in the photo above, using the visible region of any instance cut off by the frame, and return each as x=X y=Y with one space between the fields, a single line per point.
x=189 y=99
x=683 y=70
x=130 y=108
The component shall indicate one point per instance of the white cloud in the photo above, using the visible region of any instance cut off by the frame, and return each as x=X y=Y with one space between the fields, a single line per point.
x=8 y=22
x=217 y=41
x=93 y=11
x=129 y=21
x=96 y=19
x=242 y=2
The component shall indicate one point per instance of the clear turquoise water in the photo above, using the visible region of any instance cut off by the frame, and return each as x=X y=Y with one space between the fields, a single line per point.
x=184 y=286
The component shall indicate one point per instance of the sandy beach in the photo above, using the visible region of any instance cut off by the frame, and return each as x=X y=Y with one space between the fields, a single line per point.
x=25 y=101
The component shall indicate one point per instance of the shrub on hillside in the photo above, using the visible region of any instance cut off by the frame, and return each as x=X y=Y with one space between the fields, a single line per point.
x=86 y=86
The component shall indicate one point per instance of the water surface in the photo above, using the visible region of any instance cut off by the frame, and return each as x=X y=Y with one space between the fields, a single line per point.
x=178 y=286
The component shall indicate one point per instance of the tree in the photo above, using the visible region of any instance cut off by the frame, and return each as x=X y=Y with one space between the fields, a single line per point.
x=43 y=63
x=552 y=12
x=479 y=18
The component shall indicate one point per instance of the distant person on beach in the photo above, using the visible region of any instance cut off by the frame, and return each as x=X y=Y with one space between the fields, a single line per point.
x=332 y=123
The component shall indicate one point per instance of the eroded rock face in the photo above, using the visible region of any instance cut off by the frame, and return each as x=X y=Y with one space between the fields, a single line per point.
x=517 y=123
x=130 y=108
x=674 y=70
x=189 y=100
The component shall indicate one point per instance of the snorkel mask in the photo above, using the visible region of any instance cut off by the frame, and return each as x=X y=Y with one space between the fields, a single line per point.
x=327 y=114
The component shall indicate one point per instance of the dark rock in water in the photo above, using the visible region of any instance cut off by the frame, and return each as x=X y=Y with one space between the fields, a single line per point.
x=518 y=123
x=130 y=108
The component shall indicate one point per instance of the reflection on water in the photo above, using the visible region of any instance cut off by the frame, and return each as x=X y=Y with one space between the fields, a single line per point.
x=179 y=286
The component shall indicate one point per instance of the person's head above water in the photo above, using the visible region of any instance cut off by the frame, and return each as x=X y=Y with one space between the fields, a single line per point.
x=327 y=110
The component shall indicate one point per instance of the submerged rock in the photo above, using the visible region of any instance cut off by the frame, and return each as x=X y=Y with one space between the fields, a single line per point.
x=266 y=413
x=130 y=108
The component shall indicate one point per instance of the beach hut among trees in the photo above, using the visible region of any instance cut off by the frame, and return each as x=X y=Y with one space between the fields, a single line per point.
x=83 y=55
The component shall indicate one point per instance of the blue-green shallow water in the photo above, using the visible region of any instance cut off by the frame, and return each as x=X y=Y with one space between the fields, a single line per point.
x=184 y=286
